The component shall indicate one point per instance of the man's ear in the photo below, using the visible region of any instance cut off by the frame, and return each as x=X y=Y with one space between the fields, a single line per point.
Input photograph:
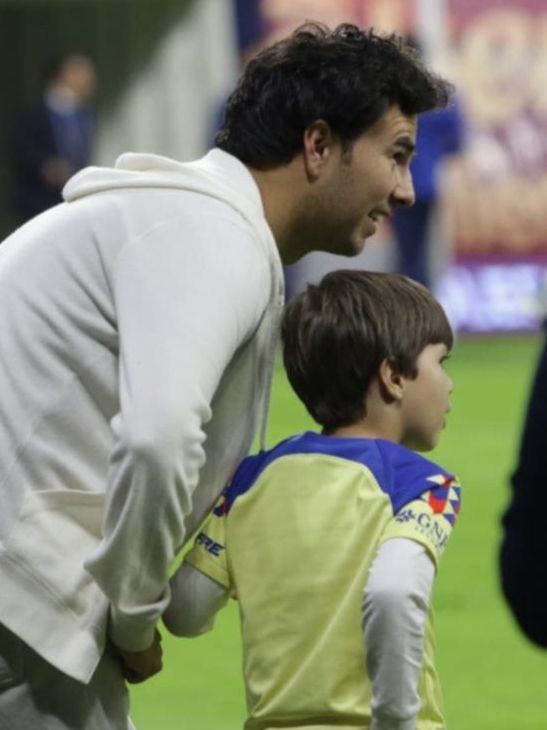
x=391 y=382
x=318 y=143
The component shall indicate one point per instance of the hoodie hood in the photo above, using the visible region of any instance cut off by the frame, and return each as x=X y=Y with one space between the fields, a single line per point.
x=211 y=175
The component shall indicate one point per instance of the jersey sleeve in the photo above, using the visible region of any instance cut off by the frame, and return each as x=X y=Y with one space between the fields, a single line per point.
x=208 y=553
x=429 y=518
x=425 y=498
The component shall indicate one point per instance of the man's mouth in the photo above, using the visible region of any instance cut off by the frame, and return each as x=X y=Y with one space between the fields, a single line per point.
x=377 y=215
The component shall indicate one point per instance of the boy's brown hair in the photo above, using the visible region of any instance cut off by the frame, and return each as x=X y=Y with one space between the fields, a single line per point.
x=336 y=334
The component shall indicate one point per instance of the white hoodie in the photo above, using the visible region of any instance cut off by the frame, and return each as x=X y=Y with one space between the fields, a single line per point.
x=137 y=333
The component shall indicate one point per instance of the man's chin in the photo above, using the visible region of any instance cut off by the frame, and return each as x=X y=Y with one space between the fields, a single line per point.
x=356 y=246
x=346 y=247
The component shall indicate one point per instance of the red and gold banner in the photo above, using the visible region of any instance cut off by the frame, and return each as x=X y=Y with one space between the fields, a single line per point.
x=284 y=15
x=496 y=194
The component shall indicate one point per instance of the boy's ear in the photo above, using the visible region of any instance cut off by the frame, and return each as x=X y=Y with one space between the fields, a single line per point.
x=317 y=148
x=392 y=383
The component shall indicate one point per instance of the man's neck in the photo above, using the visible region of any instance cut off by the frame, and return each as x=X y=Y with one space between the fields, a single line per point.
x=281 y=189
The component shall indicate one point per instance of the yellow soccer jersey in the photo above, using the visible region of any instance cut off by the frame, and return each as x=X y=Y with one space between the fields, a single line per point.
x=293 y=537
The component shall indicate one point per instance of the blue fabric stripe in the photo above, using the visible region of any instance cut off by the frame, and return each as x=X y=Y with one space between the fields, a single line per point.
x=400 y=473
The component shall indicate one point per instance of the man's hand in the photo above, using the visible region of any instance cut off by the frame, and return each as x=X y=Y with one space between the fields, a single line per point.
x=138 y=666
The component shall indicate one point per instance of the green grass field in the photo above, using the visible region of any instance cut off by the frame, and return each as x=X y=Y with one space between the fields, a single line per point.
x=493 y=679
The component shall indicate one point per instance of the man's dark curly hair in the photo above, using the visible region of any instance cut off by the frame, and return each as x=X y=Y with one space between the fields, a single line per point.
x=347 y=76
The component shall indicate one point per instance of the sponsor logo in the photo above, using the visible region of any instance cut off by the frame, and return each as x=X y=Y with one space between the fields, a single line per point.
x=405 y=515
x=427 y=525
x=210 y=545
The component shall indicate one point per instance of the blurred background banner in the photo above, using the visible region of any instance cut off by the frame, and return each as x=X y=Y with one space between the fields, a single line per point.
x=495 y=195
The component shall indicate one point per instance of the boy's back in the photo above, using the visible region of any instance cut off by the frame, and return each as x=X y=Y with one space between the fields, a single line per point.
x=294 y=537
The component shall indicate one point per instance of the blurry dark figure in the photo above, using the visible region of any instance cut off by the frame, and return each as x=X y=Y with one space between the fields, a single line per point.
x=51 y=140
x=439 y=135
x=524 y=546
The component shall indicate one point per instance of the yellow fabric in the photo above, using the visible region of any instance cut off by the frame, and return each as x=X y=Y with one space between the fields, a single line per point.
x=297 y=548
x=418 y=522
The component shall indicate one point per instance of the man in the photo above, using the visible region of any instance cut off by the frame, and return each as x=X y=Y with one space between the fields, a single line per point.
x=139 y=324
x=52 y=139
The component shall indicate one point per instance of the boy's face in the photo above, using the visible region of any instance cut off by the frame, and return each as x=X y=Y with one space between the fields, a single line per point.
x=426 y=400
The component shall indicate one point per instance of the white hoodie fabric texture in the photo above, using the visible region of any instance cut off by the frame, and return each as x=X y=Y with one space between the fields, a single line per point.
x=138 y=324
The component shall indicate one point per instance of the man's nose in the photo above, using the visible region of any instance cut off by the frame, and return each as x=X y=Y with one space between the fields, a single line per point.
x=403 y=193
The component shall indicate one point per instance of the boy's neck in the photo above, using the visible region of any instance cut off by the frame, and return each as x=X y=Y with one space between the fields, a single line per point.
x=381 y=420
x=365 y=431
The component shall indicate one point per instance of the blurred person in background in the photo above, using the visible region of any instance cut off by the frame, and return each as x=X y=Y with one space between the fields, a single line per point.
x=52 y=139
x=139 y=322
x=440 y=133
x=524 y=547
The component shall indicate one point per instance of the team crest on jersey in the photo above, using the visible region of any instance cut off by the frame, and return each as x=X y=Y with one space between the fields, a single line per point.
x=445 y=498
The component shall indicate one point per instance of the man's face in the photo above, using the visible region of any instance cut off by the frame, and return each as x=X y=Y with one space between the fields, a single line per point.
x=426 y=400
x=361 y=186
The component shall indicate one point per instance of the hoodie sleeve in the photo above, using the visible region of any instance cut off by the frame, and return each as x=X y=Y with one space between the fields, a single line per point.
x=188 y=294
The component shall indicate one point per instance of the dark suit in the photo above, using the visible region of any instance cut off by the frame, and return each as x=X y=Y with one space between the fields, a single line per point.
x=40 y=134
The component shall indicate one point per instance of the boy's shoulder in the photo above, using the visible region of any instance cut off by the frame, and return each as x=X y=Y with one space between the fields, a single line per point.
x=401 y=463
x=406 y=475
x=249 y=470
x=399 y=472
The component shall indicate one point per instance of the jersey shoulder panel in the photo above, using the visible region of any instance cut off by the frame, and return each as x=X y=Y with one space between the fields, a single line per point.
x=411 y=476
x=360 y=451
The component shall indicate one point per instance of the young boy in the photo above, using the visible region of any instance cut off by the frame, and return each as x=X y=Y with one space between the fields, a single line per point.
x=330 y=541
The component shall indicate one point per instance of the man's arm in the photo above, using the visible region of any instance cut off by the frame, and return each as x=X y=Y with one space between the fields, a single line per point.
x=395 y=608
x=187 y=295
